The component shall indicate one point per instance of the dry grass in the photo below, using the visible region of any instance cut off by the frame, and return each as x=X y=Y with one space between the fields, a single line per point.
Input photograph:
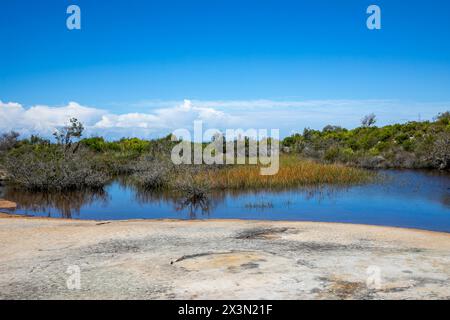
x=293 y=172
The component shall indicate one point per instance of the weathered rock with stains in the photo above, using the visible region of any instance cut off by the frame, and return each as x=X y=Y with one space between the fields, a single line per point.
x=220 y=260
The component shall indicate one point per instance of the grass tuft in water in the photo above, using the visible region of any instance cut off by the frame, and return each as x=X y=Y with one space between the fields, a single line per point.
x=293 y=172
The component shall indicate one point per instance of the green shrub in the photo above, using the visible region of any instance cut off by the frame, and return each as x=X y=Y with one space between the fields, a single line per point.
x=332 y=154
x=52 y=167
x=96 y=144
x=402 y=145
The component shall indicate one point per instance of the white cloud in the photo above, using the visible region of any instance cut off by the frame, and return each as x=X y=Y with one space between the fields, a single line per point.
x=44 y=120
x=159 y=118
x=129 y=120
x=171 y=118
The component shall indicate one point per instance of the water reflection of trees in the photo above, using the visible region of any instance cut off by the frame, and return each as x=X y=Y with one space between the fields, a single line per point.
x=68 y=204
x=194 y=206
x=204 y=206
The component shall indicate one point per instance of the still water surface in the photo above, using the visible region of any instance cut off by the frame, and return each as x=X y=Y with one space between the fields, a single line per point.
x=412 y=199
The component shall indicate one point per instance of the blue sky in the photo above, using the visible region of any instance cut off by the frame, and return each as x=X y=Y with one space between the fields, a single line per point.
x=303 y=59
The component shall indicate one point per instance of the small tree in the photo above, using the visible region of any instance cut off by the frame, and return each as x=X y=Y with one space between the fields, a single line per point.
x=443 y=117
x=8 y=140
x=65 y=135
x=369 y=120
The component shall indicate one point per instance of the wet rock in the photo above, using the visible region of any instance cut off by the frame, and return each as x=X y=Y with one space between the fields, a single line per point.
x=4 y=204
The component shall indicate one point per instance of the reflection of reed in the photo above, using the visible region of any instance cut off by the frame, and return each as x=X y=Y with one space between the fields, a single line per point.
x=69 y=204
x=445 y=200
x=66 y=203
x=317 y=193
x=321 y=193
x=259 y=205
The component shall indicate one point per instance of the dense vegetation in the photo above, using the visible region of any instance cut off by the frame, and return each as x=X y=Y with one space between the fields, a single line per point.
x=316 y=157
x=73 y=163
x=411 y=145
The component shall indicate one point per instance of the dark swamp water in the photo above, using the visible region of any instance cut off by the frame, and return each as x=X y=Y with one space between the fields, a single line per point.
x=411 y=199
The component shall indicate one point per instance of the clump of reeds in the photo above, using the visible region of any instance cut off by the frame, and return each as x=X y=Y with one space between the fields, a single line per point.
x=293 y=172
x=259 y=205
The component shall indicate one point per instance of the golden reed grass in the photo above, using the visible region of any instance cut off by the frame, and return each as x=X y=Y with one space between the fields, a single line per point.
x=293 y=172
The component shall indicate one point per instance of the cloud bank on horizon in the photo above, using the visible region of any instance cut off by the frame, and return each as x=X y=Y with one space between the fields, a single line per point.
x=161 y=118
